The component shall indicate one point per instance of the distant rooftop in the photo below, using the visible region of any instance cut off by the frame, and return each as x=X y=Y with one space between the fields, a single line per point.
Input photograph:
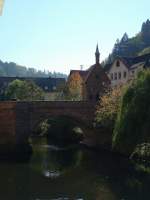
x=129 y=61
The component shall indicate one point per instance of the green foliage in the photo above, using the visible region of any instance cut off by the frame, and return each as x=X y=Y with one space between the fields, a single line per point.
x=42 y=128
x=24 y=90
x=108 y=107
x=133 y=120
x=141 y=152
x=128 y=47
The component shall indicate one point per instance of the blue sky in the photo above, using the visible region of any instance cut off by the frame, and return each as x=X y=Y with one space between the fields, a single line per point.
x=62 y=34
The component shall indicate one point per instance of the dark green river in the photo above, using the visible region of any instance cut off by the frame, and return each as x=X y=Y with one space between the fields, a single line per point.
x=72 y=174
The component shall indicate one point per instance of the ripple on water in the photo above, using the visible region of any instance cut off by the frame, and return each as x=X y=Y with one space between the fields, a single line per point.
x=51 y=174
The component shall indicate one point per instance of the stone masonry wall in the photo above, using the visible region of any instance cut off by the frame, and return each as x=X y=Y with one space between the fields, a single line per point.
x=7 y=123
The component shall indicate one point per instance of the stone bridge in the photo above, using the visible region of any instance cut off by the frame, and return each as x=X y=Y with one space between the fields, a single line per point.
x=19 y=119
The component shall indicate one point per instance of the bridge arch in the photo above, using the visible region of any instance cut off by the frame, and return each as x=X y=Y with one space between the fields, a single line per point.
x=29 y=114
x=79 y=122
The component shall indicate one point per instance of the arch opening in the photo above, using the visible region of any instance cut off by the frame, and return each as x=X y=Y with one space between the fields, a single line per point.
x=60 y=130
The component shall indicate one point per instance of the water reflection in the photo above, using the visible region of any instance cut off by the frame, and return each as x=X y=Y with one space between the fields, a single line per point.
x=72 y=174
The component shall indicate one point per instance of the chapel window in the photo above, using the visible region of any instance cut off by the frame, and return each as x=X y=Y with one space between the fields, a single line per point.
x=96 y=76
x=118 y=63
x=115 y=76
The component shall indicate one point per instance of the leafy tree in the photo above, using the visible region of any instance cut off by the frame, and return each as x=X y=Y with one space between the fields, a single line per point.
x=108 y=108
x=133 y=120
x=24 y=90
x=73 y=88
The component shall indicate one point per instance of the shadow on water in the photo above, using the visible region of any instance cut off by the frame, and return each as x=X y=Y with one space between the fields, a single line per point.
x=72 y=174
x=18 y=153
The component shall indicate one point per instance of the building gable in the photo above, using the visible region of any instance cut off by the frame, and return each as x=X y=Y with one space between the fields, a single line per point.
x=96 y=82
x=118 y=72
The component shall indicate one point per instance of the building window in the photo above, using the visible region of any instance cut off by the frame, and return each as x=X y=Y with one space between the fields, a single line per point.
x=119 y=75
x=115 y=76
x=125 y=74
x=133 y=72
x=112 y=76
x=118 y=63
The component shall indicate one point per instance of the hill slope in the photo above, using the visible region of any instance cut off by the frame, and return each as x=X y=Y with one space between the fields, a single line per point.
x=12 y=69
x=132 y=46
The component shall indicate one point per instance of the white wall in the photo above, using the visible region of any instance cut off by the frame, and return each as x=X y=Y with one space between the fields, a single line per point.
x=116 y=70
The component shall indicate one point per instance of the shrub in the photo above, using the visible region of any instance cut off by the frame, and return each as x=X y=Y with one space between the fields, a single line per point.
x=24 y=90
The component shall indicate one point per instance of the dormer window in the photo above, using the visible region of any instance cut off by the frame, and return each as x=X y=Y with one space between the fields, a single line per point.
x=118 y=63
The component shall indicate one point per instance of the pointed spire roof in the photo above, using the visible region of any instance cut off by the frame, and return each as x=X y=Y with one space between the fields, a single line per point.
x=97 y=49
x=97 y=54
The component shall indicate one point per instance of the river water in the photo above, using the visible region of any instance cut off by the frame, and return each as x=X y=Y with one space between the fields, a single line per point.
x=72 y=174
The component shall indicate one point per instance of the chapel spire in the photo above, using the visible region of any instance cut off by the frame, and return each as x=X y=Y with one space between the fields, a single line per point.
x=97 y=54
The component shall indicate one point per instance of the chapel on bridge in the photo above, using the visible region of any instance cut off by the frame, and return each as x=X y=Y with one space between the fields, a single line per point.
x=93 y=80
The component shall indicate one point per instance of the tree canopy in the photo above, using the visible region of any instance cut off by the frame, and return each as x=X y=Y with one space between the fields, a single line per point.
x=73 y=88
x=24 y=90
x=131 y=46
x=133 y=121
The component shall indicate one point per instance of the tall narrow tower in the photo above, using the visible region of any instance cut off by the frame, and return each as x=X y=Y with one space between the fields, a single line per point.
x=97 y=55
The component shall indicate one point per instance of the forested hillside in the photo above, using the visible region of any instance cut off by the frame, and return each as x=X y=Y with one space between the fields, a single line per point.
x=12 y=69
x=137 y=45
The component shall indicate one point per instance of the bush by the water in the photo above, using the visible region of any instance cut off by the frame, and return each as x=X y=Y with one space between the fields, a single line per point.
x=133 y=120
x=142 y=152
